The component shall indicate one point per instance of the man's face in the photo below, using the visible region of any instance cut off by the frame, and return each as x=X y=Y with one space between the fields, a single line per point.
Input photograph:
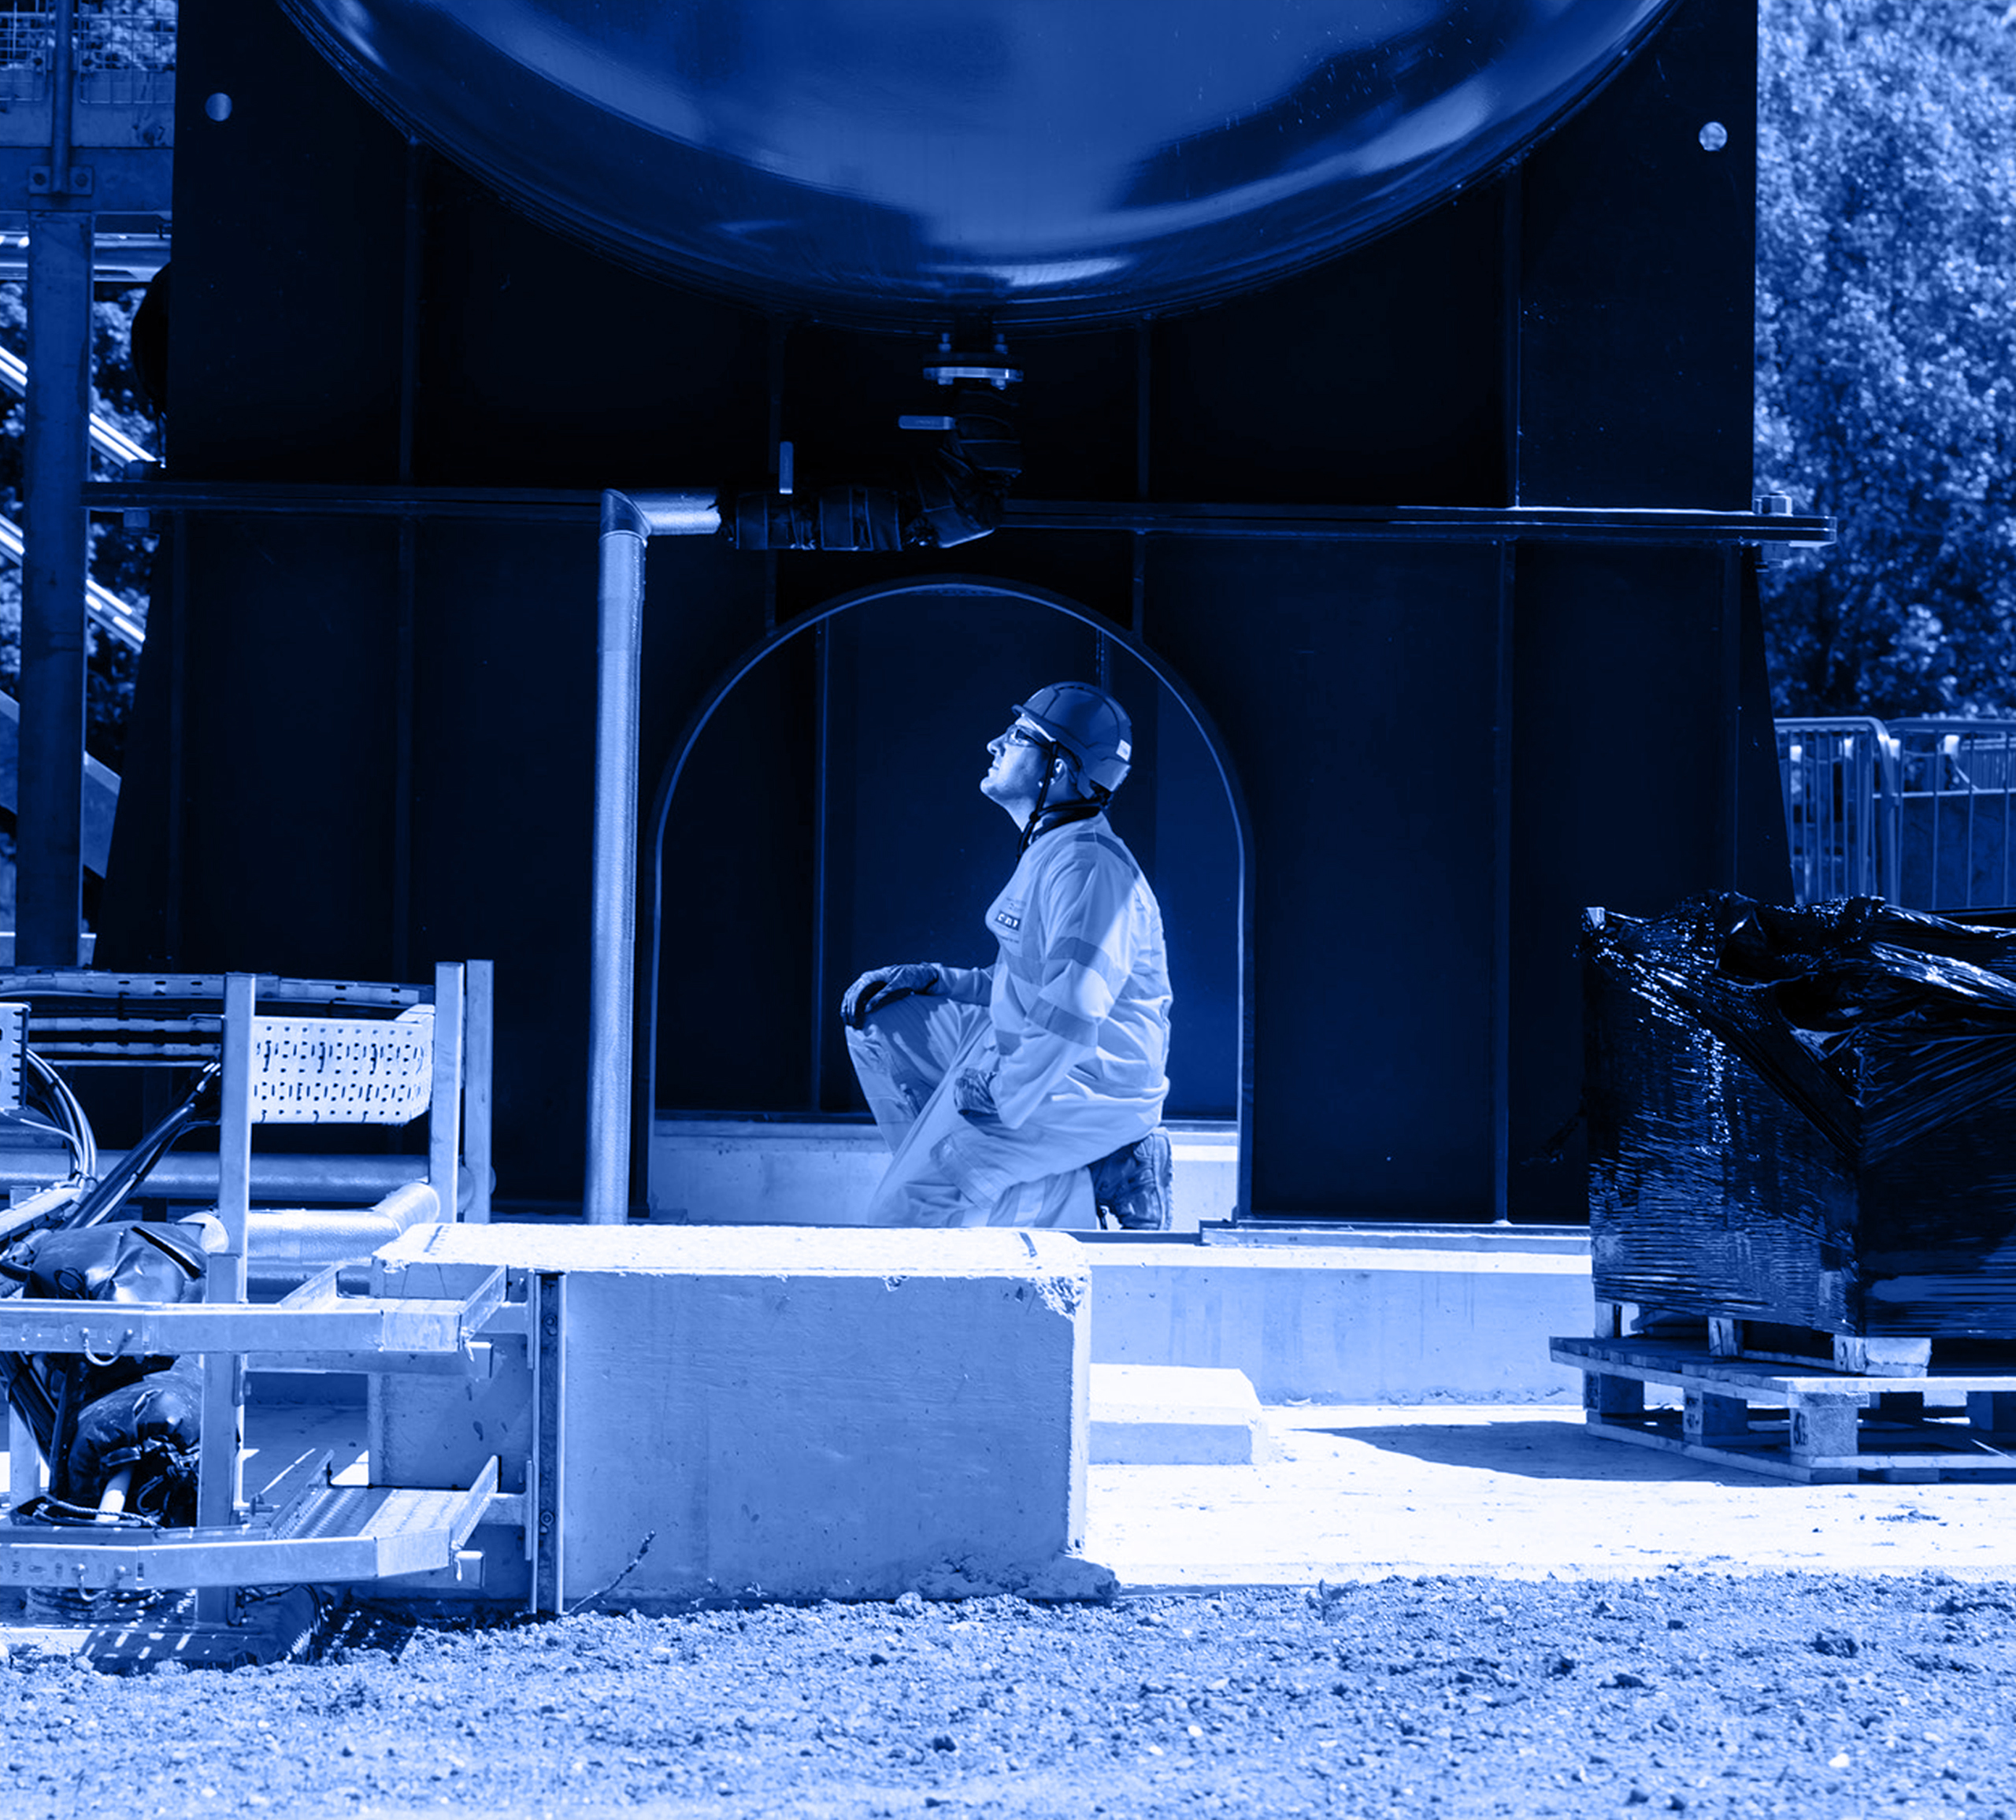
x=1020 y=757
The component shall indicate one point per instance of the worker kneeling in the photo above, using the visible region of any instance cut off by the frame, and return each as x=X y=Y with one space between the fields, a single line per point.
x=1030 y=1093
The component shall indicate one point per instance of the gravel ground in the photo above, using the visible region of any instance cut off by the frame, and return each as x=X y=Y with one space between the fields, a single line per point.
x=1811 y=1696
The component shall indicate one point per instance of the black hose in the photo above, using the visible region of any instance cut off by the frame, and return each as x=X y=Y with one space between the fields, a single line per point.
x=199 y=1108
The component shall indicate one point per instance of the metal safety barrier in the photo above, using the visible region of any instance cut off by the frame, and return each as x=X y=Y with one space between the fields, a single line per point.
x=1921 y=812
x=1838 y=779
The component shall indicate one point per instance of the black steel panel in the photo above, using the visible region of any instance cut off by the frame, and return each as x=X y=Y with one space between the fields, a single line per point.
x=1377 y=379
x=1638 y=250
x=1354 y=688
x=288 y=768
x=1354 y=683
x=540 y=365
x=284 y=336
x=1626 y=721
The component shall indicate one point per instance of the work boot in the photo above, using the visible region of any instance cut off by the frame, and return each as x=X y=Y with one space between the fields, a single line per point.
x=1131 y=1187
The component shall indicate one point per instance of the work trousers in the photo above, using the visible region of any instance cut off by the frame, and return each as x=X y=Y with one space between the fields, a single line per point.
x=949 y=1170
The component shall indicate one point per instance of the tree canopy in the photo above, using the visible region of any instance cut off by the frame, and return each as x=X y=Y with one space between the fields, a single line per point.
x=1886 y=349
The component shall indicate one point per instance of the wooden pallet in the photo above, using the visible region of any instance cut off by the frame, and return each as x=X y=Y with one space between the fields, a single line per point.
x=1810 y=1423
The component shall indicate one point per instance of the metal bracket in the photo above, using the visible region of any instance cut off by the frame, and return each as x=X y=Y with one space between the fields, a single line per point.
x=79 y=180
x=315 y=1318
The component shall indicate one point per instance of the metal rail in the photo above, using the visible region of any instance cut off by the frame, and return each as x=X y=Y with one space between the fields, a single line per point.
x=116 y=614
x=1412 y=524
x=106 y=436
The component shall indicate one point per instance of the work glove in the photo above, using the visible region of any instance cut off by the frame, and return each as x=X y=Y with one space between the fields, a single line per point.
x=881 y=986
x=973 y=1093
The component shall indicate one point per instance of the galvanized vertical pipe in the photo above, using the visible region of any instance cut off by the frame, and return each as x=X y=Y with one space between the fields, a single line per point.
x=49 y=828
x=605 y=1199
x=62 y=91
x=444 y=1104
x=478 y=1059
x=220 y=1457
x=628 y=520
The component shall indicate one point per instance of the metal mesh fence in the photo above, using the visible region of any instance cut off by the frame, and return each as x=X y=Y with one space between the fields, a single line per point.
x=1921 y=812
x=112 y=36
x=1839 y=777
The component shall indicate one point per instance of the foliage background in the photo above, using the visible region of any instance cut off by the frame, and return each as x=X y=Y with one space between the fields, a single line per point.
x=121 y=560
x=1886 y=349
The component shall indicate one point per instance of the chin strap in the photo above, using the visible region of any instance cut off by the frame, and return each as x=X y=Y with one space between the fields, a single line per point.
x=1033 y=826
x=1061 y=816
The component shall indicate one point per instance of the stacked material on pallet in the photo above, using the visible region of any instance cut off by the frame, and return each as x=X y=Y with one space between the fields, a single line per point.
x=1804 y=1116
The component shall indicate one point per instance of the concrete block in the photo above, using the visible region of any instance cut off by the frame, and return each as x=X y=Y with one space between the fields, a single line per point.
x=1339 y=1324
x=736 y=1172
x=811 y=1414
x=1170 y=1415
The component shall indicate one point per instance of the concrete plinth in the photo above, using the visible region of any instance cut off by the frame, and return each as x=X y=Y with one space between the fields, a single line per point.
x=1343 y=1323
x=815 y=1413
x=719 y=1172
x=1169 y=1415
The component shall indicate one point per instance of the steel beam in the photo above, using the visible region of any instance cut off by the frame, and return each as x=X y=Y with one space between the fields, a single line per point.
x=1652 y=528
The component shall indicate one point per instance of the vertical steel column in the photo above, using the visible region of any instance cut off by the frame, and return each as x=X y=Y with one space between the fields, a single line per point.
x=1501 y=890
x=49 y=825
x=412 y=269
x=628 y=521
x=220 y=1457
x=478 y=1060
x=1511 y=310
x=822 y=739
x=179 y=525
x=1144 y=377
x=1728 y=818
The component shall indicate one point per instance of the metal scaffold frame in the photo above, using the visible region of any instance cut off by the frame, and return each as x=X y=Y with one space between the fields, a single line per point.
x=372 y=1055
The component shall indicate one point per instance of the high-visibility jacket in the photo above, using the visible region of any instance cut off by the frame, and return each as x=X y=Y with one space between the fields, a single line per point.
x=1078 y=997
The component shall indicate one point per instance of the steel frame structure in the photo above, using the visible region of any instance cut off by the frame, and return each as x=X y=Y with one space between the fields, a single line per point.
x=420 y=1317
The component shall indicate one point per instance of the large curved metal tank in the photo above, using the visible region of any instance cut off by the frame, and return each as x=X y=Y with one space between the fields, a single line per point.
x=886 y=161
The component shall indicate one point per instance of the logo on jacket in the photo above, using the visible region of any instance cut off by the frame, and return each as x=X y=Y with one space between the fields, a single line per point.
x=1007 y=921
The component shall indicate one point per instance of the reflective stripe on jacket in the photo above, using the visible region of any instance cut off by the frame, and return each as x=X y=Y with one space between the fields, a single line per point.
x=1080 y=997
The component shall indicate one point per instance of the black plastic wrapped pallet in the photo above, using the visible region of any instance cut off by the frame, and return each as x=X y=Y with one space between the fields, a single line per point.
x=1804 y=1116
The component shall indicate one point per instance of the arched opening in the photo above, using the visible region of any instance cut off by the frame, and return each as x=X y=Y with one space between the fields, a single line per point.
x=821 y=815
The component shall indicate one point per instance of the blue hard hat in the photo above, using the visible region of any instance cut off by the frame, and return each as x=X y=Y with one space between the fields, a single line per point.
x=1089 y=725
